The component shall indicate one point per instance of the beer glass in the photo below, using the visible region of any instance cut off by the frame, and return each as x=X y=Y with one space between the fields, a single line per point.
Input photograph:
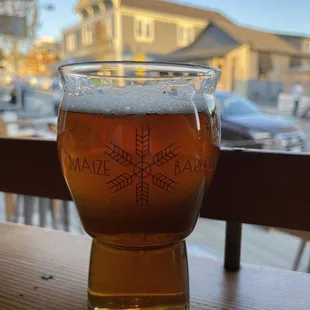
x=138 y=143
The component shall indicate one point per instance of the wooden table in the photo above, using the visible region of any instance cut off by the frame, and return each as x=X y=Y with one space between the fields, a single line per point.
x=28 y=253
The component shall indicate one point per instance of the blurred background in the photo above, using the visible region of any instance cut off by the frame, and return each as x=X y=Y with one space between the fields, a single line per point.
x=262 y=48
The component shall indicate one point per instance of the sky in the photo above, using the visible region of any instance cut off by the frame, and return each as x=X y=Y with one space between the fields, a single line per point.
x=290 y=16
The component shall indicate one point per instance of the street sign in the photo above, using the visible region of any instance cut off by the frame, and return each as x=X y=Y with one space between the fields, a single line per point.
x=13 y=26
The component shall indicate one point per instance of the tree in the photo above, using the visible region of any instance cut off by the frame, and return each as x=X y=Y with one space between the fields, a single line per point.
x=13 y=45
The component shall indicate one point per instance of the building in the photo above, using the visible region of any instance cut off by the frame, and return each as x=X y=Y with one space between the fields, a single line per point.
x=44 y=52
x=254 y=63
x=133 y=29
x=302 y=43
x=300 y=70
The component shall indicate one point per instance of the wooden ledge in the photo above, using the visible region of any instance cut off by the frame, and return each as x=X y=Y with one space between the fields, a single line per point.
x=28 y=253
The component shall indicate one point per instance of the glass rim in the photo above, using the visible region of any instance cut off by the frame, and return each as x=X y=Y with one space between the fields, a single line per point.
x=202 y=71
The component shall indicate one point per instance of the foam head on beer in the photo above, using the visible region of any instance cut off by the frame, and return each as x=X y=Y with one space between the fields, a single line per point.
x=165 y=98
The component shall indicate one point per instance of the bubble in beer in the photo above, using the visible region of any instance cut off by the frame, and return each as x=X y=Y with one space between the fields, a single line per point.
x=121 y=100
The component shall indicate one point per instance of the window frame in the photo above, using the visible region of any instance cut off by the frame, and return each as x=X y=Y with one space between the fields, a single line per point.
x=71 y=42
x=143 y=23
x=86 y=30
x=188 y=34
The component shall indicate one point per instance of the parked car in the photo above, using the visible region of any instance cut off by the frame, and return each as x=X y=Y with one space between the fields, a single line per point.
x=244 y=124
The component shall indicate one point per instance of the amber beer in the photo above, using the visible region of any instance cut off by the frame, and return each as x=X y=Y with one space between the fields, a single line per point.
x=137 y=180
x=138 y=183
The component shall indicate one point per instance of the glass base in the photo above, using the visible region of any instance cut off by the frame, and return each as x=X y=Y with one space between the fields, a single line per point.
x=167 y=307
x=150 y=279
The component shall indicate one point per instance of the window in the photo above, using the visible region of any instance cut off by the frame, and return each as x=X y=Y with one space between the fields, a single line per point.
x=144 y=29
x=83 y=13
x=185 y=34
x=87 y=34
x=306 y=46
x=96 y=9
x=295 y=61
x=70 y=42
x=265 y=65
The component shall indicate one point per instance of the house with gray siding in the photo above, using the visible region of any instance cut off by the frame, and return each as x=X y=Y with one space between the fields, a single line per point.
x=133 y=29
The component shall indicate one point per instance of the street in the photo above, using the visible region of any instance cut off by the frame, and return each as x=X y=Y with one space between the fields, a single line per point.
x=303 y=123
x=40 y=104
x=43 y=103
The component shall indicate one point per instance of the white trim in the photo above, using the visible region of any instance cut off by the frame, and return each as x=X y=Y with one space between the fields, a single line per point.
x=90 y=11
x=101 y=7
x=144 y=29
x=99 y=17
x=185 y=34
x=118 y=35
x=165 y=17
x=110 y=24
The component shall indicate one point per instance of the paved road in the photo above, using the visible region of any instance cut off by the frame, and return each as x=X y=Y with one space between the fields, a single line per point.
x=42 y=103
x=304 y=123
x=36 y=104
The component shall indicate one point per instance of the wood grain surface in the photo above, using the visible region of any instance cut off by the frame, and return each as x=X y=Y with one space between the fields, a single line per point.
x=28 y=253
x=264 y=188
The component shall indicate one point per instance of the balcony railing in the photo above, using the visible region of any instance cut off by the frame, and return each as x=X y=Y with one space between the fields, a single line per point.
x=264 y=188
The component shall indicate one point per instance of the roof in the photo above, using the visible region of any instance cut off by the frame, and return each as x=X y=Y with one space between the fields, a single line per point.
x=164 y=7
x=288 y=36
x=258 y=40
x=292 y=35
x=82 y=4
x=173 y=8
x=178 y=9
x=189 y=55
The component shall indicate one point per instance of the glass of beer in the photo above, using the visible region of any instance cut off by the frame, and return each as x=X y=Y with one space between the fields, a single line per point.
x=138 y=144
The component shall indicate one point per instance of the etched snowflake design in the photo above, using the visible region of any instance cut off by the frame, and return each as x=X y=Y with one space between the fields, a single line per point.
x=142 y=169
